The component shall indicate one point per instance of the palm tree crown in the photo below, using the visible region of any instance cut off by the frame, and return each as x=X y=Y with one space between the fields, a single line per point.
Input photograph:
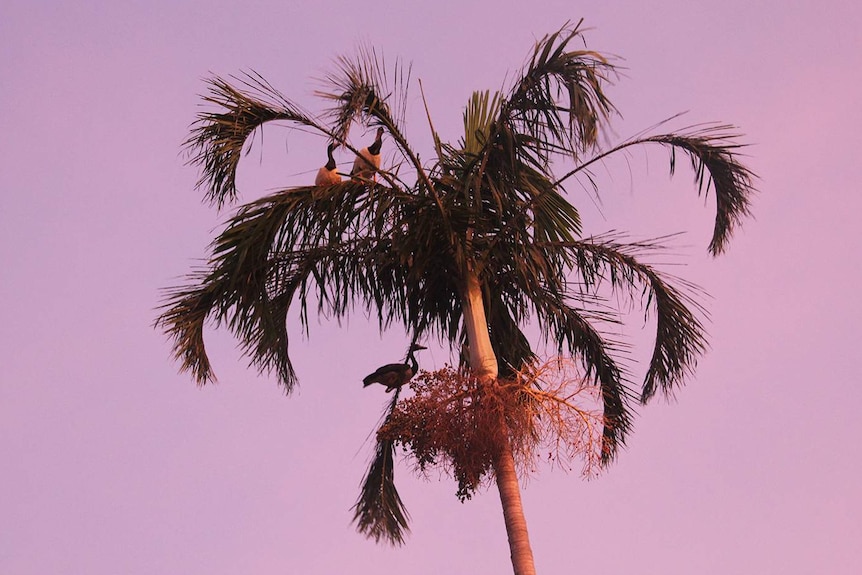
x=487 y=212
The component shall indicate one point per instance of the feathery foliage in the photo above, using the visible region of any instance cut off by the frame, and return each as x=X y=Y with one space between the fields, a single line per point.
x=712 y=150
x=218 y=138
x=379 y=512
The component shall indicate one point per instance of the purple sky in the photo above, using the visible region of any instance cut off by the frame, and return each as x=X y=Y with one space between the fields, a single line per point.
x=113 y=463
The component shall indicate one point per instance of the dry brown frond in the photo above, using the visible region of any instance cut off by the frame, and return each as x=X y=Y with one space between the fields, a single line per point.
x=458 y=423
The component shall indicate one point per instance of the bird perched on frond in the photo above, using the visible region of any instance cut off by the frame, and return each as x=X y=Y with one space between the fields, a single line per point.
x=327 y=175
x=367 y=163
x=394 y=375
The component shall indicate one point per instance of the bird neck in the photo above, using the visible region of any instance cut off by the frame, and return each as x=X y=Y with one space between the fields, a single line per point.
x=330 y=165
x=374 y=148
x=414 y=365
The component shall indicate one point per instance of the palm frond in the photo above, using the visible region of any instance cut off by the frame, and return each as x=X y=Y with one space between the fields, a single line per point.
x=379 y=512
x=526 y=280
x=712 y=150
x=579 y=74
x=434 y=135
x=680 y=335
x=501 y=172
x=360 y=90
x=558 y=103
x=574 y=334
x=501 y=168
x=184 y=318
x=272 y=250
x=511 y=346
x=338 y=245
x=479 y=116
x=218 y=138
x=520 y=291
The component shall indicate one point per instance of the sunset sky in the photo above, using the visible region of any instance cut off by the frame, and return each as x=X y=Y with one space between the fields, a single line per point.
x=114 y=463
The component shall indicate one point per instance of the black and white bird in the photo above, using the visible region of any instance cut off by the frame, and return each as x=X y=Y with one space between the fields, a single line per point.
x=367 y=163
x=394 y=375
x=327 y=175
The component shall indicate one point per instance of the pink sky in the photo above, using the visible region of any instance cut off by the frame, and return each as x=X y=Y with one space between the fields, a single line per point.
x=114 y=463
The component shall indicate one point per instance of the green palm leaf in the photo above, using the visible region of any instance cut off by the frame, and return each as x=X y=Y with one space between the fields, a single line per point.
x=713 y=154
x=379 y=512
x=218 y=138
x=680 y=336
x=535 y=108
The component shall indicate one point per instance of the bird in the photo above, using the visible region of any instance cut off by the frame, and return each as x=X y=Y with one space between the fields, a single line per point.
x=367 y=163
x=327 y=175
x=394 y=375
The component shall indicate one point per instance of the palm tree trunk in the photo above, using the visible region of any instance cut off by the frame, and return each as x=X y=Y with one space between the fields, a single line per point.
x=513 y=512
x=483 y=361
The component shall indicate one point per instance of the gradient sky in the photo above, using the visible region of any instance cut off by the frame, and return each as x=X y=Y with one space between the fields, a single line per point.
x=112 y=462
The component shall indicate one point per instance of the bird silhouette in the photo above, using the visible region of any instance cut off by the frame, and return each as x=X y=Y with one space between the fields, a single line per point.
x=394 y=375
x=327 y=175
x=367 y=163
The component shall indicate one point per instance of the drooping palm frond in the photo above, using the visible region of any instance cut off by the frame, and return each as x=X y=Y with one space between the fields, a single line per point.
x=712 y=150
x=218 y=138
x=556 y=106
x=680 y=335
x=511 y=345
x=532 y=287
x=274 y=250
x=573 y=331
x=535 y=107
x=379 y=512
x=339 y=245
x=184 y=318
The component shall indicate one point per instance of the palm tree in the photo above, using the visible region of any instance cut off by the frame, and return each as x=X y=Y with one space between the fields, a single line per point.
x=466 y=248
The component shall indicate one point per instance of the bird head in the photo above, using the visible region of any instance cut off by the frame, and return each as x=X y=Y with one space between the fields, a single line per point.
x=417 y=347
x=378 y=142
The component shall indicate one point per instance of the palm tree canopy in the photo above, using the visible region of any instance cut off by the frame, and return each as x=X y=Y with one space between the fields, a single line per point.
x=398 y=248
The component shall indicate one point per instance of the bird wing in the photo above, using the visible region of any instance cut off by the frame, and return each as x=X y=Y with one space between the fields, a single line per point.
x=365 y=164
x=390 y=375
x=387 y=375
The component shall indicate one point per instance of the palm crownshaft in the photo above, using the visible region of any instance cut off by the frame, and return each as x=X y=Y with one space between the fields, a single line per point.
x=481 y=241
